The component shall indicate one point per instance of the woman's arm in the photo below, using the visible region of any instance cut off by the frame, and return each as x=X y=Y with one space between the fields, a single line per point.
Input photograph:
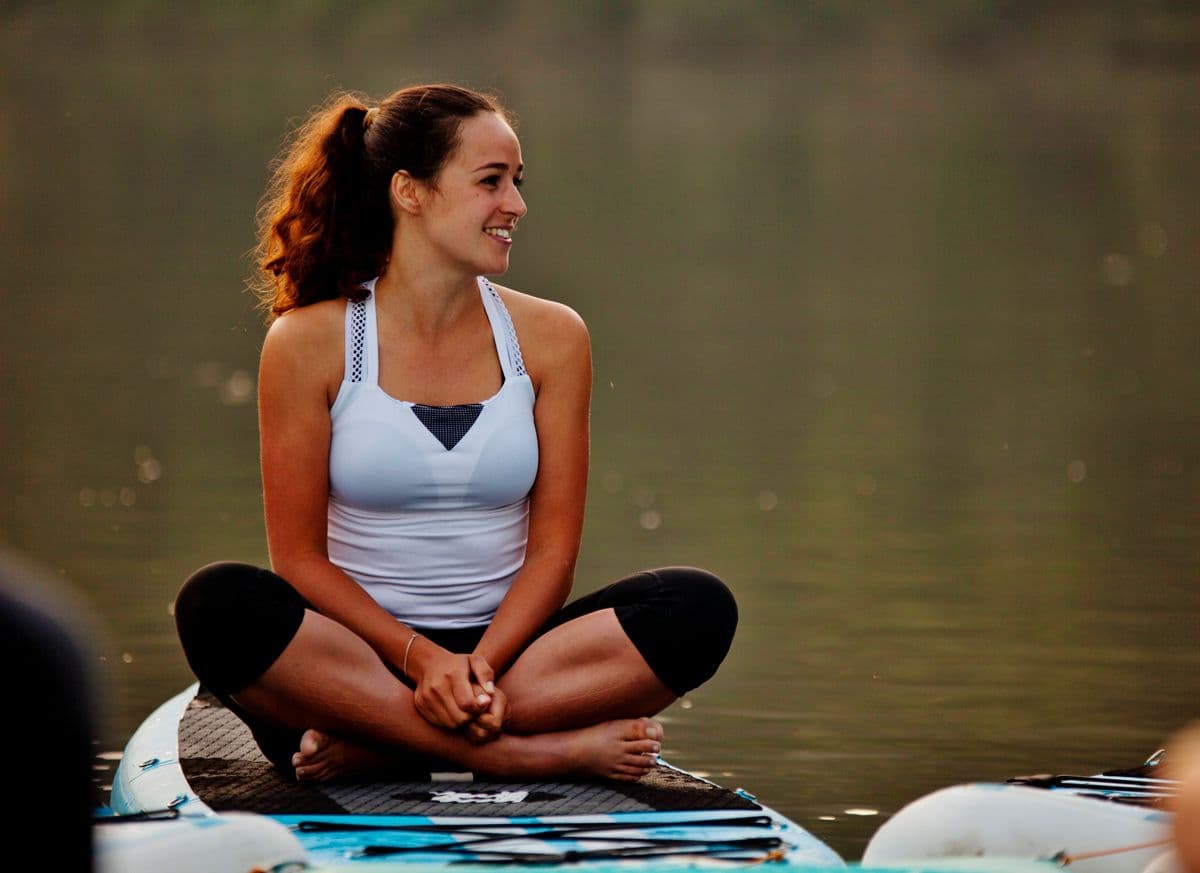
x=557 y=355
x=300 y=372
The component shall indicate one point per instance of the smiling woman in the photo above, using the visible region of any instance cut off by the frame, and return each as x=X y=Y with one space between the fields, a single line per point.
x=424 y=440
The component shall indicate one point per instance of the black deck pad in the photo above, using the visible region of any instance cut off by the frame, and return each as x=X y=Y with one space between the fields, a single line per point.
x=1142 y=785
x=223 y=765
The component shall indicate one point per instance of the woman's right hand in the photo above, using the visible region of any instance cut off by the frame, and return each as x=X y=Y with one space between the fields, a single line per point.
x=451 y=689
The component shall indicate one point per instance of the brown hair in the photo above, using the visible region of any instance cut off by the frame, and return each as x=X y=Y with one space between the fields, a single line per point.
x=325 y=222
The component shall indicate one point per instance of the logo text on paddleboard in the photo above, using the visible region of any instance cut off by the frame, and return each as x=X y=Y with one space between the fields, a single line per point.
x=478 y=796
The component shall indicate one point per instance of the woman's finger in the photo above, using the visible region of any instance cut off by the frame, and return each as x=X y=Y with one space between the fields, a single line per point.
x=493 y=717
x=430 y=708
x=436 y=702
x=483 y=672
x=477 y=733
x=466 y=696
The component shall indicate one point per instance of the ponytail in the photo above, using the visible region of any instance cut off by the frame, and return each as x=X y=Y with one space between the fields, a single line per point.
x=324 y=225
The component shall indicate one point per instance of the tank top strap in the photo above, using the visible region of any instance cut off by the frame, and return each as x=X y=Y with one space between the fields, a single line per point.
x=362 y=345
x=503 y=331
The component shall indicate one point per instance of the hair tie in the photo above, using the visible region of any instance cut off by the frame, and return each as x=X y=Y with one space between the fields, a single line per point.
x=369 y=118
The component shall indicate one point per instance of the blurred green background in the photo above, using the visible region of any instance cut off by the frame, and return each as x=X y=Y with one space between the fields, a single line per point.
x=895 y=321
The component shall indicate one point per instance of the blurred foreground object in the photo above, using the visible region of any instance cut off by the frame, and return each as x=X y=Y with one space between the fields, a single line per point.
x=1183 y=763
x=50 y=715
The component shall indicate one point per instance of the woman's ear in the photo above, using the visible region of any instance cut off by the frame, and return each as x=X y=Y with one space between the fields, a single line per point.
x=405 y=192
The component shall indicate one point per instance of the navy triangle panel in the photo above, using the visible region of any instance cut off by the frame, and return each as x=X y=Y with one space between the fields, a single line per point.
x=448 y=423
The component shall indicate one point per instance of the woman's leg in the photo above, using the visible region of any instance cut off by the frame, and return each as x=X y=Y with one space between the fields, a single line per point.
x=286 y=669
x=580 y=673
x=627 y=650
x=331 y=682
x=621 y=653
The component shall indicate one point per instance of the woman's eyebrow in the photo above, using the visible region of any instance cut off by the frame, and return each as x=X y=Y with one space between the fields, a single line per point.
x=499 y=165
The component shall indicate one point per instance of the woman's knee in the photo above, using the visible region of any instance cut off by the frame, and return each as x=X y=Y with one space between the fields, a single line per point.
x=210 y=586
x=703 y=602
x=234 y=620
x=684 y=628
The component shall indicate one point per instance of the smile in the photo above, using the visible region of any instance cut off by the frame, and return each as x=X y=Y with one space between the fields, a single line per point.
x=503 y=233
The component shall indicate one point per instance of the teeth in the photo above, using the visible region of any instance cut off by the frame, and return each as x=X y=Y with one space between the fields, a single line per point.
x=501 y=232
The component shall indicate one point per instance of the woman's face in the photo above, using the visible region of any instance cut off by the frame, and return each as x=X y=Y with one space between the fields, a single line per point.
x=472 y=210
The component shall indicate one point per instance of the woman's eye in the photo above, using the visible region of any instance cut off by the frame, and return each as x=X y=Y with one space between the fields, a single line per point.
x=517 y=183
x=491 y=181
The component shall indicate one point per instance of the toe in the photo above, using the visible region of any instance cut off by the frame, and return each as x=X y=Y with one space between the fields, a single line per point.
x=641 y=762
x=643 y=729
x=651 y=730
x=311 y=742
x=632 y=771
x=643 y=747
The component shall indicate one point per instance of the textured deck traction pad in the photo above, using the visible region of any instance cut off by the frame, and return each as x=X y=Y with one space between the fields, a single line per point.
x=224 y=767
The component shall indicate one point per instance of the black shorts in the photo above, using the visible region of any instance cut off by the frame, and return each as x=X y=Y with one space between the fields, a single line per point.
x=234 y=621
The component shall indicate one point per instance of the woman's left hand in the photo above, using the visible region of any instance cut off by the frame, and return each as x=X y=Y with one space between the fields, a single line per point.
x=488 y=725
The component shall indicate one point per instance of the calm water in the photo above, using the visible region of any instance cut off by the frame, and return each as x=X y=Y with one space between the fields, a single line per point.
x=895 y=327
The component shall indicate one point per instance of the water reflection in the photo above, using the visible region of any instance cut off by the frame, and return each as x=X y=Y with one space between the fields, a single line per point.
x=897 y=336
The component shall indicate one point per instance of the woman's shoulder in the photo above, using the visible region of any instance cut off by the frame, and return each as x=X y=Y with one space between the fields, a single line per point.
x=540 y=319
x=314 y=333
x=315 y=323
x=553 y=336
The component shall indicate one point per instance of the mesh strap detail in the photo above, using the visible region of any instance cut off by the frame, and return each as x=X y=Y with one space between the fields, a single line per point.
x=510 y=333
x=358 y=336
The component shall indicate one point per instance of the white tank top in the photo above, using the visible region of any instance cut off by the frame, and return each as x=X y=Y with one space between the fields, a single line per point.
x=429 y=505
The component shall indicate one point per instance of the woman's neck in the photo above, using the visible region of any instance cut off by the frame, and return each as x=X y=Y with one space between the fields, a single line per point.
x=426 y=299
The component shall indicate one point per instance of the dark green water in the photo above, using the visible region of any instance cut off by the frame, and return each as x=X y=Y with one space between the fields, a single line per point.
x=896 y=325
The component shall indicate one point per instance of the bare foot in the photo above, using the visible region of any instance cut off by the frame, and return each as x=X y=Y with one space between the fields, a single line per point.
x=324 y=758
x=624 y=750
x=621 y=750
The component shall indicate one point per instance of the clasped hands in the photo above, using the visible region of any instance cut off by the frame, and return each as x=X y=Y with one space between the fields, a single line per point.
x=459 y=692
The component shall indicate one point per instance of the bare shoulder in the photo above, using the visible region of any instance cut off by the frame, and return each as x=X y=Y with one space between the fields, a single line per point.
x=551 y=334
x=315 y=323
x=312 y=336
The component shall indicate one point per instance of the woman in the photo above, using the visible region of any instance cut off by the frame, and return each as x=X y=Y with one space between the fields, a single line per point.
x=424 y=439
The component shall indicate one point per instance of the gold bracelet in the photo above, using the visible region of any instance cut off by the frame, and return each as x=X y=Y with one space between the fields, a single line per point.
x=404 y=666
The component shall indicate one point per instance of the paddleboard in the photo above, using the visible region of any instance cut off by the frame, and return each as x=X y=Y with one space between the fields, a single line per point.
x=168 y=841
x=1110 y=822
x=195 y=762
